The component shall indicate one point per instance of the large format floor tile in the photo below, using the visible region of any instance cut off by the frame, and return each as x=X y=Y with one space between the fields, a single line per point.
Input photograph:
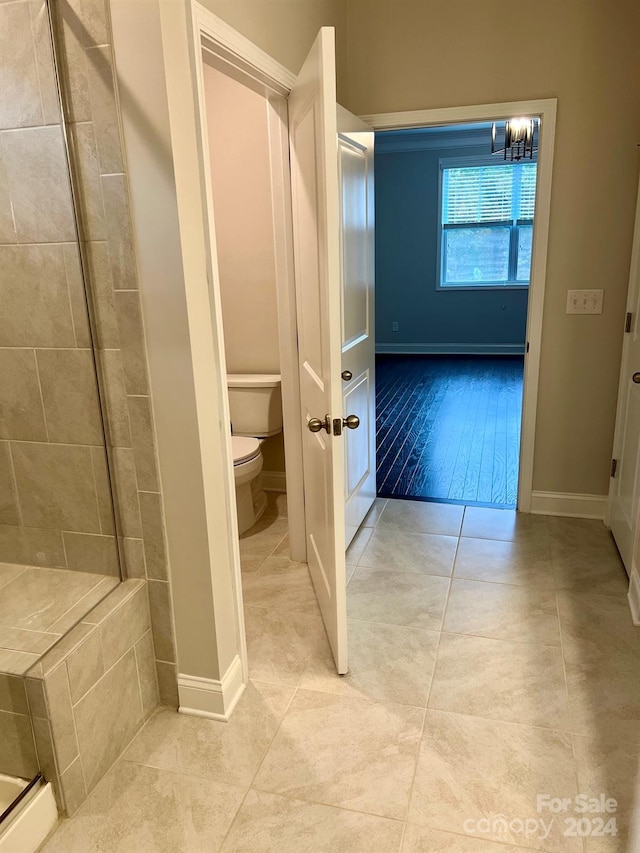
x=144 y=810
x=280 y=643
x=228 y=752
x=523 y=563
x=387 y=663
x=612 y=769
x=597 y=625
x=501 y=680
x=281 y=585
x=399 y=551
x=395 y=598
x=502 y=611
x=585 y=557
x=344 y=752
x=419 y=517
x=486 y=523
x=268 y=823
x=471 y=769
x=422 y=839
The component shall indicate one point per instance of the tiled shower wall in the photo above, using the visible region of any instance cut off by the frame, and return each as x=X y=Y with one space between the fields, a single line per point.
x=98 y=157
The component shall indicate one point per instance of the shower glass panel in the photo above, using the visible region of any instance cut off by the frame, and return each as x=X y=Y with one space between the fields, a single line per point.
x=58 y=547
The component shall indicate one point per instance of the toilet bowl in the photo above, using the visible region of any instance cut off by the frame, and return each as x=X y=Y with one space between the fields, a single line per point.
x=251 y=501
x=255 y=406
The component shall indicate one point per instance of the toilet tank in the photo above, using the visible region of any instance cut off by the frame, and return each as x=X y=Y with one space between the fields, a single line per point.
x=255 y=403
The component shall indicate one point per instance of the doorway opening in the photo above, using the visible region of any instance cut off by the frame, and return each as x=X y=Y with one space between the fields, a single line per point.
x=454 y=237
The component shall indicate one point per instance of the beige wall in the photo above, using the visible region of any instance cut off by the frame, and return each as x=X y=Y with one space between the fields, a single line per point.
x=286 y=29
x=412 y=55
x=242 y=201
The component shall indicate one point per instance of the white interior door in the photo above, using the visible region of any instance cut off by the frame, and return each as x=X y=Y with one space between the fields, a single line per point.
x=355 y=157
x=316 y=236
x=624 y=492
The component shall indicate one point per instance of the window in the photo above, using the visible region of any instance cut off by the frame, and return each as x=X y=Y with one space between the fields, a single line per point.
x=486 y=224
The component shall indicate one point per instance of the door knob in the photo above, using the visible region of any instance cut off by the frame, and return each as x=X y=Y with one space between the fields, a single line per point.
x=636 y=377
x=351 y=422
x=315 y=424
x=347 y=375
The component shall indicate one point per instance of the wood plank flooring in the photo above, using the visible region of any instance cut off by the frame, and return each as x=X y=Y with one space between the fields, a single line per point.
x=448 y=428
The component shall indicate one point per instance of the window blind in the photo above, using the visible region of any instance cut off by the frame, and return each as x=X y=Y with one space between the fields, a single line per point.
x=477 y=194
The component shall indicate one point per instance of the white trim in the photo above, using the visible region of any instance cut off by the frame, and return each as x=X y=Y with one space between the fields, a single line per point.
x=545 y=109
x=449 y=349
x=206 y=697
x=25 y=830
x=274 y=481
x=568 y=505
x=633 y=596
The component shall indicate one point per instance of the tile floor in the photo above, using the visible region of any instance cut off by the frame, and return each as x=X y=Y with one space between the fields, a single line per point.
x=39 y=606
x=493 y=659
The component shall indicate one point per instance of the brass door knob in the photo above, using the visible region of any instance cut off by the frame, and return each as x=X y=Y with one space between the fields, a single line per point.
x=347 y=375
x=315 y=424
x=636 y=377
x=351 y=422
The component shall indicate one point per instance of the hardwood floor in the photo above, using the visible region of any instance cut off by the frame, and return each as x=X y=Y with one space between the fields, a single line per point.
x=448 y=428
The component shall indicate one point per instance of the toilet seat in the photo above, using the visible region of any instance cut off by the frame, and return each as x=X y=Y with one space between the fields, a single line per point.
x=244 y=449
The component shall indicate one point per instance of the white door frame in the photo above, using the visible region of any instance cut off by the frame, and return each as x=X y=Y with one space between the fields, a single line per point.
x=545 y=109
x=246 y=62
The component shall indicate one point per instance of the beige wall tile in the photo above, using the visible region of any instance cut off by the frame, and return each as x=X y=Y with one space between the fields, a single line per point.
x=77 y=295
x=153 y=533
x=18 y=71
x=147 y=674
x=90 y=189
x=106 y=323
x=103 y=489
x=42 y=44
x=134 y=558
x=46 y=757
x=89 y=552
x=126 y=492
x=7 y=225
x=9 y=513
x=18 y=747
x=56 y=487
x=13 y=696
x=27 y=640
x=21 y=413
x=63 y=732
x=103 y=108
x=37 y=175
x=115 y=395
x=93 y=16
x=161 y=623
x=132 y=342
x=143 y=443
x=35 y=298
x=15 y=663
x=73 y=61
x=72 y=786
x=122 y=629
x=31 y=546
x=36 y=697
x=80 y=611
x=119 y=231
x=85 y=666
x=167 y=674
x=108 y=717
x=70 y=395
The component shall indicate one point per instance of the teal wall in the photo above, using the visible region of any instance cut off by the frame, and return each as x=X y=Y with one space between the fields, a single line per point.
x=406 y=183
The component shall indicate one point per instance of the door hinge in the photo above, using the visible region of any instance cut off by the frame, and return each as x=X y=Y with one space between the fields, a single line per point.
x=627 y=322
x=614 y=467
x=527 y=346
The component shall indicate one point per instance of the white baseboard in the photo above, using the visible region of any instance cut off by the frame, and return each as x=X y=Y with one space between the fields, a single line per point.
x=634 y=597
x=449 y=349
x=274 y=481
x=206 y=697
x=569 y=505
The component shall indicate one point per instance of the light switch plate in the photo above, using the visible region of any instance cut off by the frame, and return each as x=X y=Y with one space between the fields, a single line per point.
x=584 y=301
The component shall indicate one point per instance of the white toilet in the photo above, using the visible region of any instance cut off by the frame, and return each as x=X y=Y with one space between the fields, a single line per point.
x=255 y=403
